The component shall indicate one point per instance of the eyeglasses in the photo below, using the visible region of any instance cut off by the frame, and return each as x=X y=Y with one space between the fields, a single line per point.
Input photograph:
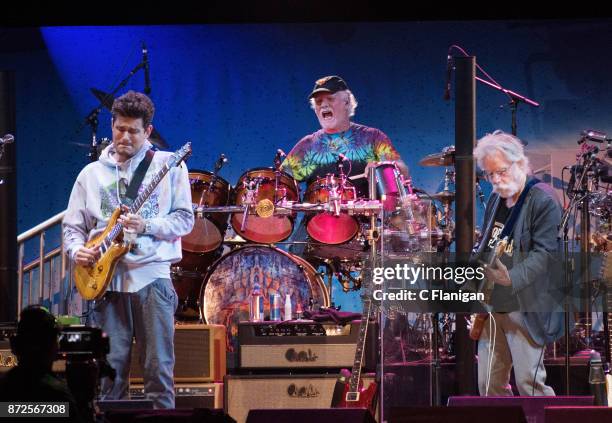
x=501 y=173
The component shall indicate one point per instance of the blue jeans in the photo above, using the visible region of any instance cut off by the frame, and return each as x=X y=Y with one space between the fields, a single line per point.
x=147 y=315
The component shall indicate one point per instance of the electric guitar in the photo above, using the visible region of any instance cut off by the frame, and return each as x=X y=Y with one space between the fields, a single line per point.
x=92 y=281
x=354 y=395
x=478 y=319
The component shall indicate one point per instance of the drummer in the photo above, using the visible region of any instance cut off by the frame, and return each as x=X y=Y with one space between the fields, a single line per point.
x=317 y=154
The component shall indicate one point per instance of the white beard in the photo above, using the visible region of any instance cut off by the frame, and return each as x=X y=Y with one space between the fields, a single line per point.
x=509 y=189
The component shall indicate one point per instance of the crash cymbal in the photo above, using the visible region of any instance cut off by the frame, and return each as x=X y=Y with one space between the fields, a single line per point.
x=445 y=158
x=107 y=101
x=443 y=196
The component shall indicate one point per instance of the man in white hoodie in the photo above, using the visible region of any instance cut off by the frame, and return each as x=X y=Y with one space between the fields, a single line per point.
x=140 y=301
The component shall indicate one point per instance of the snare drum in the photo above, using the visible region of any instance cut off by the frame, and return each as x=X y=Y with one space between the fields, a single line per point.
x=207 y=190
x=263 y=188
x=327 y=227
x=228 y=285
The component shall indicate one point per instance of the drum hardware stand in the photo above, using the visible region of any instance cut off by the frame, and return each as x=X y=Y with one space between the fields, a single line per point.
x=374 y=235
x=277 y=175
x=249 y=200
x=579 y=194
x=211 y=185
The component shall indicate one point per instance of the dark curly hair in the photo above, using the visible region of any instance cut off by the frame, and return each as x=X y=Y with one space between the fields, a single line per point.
x=134 y=105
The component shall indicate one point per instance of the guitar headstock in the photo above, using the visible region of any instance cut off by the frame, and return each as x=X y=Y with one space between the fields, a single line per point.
x=180 y=155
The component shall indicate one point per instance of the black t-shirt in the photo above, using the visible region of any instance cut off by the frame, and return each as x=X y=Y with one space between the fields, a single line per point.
x=502 y=299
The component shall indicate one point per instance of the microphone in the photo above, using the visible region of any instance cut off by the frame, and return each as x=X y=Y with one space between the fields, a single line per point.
x=595 y=136
x=7 y=139
x=220 y=162
x=449 y=68
x=145 y=62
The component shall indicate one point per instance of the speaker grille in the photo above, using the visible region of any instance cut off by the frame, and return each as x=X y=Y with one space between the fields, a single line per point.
x=243 y=393
x=199 y=352
x=193 y=347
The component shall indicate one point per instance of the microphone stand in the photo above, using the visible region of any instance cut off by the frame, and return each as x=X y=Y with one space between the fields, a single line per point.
x=92 y=116
x=568 y=267
x=515 y=99
x=375 y=238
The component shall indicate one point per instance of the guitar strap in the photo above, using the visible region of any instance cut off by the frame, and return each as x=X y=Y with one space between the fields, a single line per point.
x=141 y=170
x=478 y=251
x=511 y=221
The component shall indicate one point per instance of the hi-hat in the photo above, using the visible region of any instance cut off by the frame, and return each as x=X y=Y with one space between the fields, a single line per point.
x=107 y=101
x=445 y=158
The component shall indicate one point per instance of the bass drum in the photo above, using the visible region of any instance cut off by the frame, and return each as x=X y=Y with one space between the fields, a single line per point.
x=207 y=190
x=226 y=290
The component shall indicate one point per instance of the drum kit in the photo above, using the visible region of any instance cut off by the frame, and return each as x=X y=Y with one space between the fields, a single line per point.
x=234 y=244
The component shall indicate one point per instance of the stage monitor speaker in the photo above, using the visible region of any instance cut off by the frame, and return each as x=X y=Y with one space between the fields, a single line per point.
x=533 y=407
x=577 y=414
x=189 y=395
x=134 y=404
x=199 y=352
x=513 y=414
x=330 y=415
x=300 y=391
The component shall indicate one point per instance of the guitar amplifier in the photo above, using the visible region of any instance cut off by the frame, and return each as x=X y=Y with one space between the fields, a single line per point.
x=303 y=345
x=189 y=395
x=199 y=352
x=244 y=393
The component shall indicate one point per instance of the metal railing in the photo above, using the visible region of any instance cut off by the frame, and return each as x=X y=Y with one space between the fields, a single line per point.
x=48 y=271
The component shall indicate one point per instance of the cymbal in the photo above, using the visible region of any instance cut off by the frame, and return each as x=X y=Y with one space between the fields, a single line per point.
x=443 y=196
x=445 y=158
x=107 y=100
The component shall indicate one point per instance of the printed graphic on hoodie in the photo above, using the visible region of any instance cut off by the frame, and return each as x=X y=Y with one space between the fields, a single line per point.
x=109 y=202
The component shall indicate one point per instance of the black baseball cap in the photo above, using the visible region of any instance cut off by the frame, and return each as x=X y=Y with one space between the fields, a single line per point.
x=329 y=84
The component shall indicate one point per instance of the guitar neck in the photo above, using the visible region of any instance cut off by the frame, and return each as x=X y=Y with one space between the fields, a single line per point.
x=149 y=189
x=137 y=204
x=360 y=348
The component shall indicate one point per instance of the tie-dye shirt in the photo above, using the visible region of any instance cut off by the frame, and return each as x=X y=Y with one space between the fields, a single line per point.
x=316 y=154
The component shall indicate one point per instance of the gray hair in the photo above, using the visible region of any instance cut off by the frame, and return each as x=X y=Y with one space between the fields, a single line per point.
x=352 y=102
x=508 y=145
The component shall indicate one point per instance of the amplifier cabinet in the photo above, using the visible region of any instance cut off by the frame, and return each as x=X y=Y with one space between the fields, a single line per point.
x=189 y=395
x=199 y=352
x=244 y=393
x=303 y=345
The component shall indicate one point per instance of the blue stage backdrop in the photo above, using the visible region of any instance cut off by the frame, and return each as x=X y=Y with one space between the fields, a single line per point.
x=240 y=89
